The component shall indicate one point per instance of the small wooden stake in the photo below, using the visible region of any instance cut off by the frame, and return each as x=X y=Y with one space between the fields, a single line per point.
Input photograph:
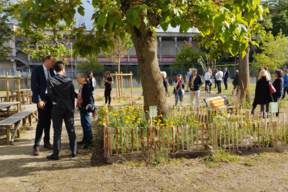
x=187 y=139
x=173 y=139
x=182 y=139
x=142 y=139
x=158 y=135
x=192 y=135
x=137 y=139
x=122 y=138
x=202 y=139
x=163 y=138
x=132 y=140
x=197 y=140
x=116 y=141
x=178 y=138
x=127 y=141
x=148 y=135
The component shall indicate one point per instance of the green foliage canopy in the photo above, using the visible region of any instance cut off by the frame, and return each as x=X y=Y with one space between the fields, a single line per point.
x=5 y=32
x=223 y=19
x=187 y=55
x=90 y=64
x=274 y=51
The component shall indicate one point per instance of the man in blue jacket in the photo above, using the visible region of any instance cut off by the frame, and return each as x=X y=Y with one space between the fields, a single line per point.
x=285 y=85
x=39 y=77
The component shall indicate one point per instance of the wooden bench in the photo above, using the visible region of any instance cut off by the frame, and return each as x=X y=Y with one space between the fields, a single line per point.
x=218 y=103
x=15 y=120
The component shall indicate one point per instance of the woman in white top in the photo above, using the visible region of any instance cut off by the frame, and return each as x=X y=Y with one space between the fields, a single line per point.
x=208 y=79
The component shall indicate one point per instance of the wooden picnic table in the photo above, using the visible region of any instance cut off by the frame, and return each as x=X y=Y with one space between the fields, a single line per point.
x=7 y=105
x=23 y=93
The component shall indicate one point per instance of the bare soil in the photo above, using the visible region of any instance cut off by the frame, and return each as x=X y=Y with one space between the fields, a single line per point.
x=20 y=171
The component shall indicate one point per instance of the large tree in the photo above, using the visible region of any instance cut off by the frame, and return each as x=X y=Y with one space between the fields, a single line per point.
x=5 y=32
x=225 y=19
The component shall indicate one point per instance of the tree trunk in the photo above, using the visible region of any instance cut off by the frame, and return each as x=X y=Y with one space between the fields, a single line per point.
x=244 y=77
x=145 y=43
x=119 y=83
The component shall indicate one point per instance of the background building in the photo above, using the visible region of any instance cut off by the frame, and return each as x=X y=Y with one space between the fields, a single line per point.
x=169 y=43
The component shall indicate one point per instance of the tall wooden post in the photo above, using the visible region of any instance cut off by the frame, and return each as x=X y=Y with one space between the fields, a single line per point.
x=121 y=79
x=7 y=88
x=131 y=84
x=116 y=79
x=18 y=93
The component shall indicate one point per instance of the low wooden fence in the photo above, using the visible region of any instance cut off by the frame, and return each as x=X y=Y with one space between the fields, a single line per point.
x=238 y=132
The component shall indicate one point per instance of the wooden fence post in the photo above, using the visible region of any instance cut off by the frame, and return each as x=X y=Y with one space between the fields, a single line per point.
x=121 y=78
x=7 y=89
x=18 y=94
x=131 y=84
x=116 y=79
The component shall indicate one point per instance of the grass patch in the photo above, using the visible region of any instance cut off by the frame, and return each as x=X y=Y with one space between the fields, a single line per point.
x=222 y=156
x=248 y=163
x=210 y=164
x=99 y=98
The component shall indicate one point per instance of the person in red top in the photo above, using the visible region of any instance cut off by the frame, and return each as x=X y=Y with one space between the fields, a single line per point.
x=179 y=86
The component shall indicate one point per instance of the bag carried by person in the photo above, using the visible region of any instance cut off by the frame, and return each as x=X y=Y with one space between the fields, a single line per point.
x=272 y=88
x=274 y=107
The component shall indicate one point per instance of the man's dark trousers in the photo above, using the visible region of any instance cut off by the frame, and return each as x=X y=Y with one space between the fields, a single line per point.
x=219 y=86
x=58 y=115
x=225 y=83
x=44 y=123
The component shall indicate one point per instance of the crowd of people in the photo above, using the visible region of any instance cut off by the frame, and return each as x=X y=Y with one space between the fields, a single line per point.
x=267 y=92
x=55 y=95
x=193 y=83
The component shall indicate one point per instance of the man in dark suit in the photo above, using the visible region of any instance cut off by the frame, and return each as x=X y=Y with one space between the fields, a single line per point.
x=225 y=77
x=62 y=93
x=39 y=77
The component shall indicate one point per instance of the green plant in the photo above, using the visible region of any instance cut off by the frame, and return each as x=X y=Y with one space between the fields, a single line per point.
x=157 y=157
x=248 y=163
x=139 y=98
x=222 y=156
x=99 y=98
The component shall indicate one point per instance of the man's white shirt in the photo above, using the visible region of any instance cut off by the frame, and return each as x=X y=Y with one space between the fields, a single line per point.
x=219 y=76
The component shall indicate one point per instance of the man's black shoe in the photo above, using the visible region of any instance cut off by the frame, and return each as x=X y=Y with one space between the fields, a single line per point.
x=52 y=157
x=75 y=154
x=81 y=142
x=87 y=145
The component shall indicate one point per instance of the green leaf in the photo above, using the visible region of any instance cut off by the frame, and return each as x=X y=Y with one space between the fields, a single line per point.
x=30 y=3
x=81 y=10
x=185 y=25
x=219 y=20
x=102 y=20
x=164 y=26
x=167 y=7
x=162 y=1
x=173 y=24
x=23 y=12
x=135 y=13
x=16 y=13
x=111 y=44
x=138 y=22
x=122 y=35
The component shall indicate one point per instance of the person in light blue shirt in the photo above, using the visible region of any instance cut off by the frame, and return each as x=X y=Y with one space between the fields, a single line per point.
x=285 y=85
x=187 y=78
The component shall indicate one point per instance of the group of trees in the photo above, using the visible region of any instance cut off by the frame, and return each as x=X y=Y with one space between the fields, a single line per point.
x=224 y=25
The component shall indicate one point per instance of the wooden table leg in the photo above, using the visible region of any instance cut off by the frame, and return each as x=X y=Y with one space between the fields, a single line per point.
x=23 y=100
x=8 y=133
x=30 y=120
x=8 y=110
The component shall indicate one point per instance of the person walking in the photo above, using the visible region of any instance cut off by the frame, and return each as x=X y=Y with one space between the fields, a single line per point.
x=219 y=77
x=235 y=82
x=39 y=77
x=285 y=85
x=189 y=73
x=207 y=78
x=179 y=86
x=262 y=92
x=278 y=85
x=195 y=82
x=92 y=82
x=214 y=75
x=226 y=75
x=62 y=93
x=108 y=88
x=165 y=82
x=84 y=98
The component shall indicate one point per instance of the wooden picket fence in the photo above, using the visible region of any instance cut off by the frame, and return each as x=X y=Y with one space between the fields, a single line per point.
x=244 y=133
